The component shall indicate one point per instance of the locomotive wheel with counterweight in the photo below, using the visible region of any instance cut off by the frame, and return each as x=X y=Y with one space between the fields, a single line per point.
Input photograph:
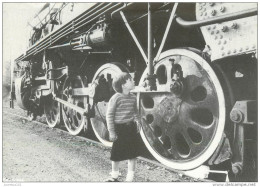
x=183 y=128
x=74 y=121
x=103 y=78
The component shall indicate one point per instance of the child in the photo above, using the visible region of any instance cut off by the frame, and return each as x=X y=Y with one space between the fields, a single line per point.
x=121 y=114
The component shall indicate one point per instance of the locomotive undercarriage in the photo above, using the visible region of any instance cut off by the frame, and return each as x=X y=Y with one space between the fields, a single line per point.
x=194 y=110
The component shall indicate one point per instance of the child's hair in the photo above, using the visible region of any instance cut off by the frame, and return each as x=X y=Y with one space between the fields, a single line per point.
x=119 y=80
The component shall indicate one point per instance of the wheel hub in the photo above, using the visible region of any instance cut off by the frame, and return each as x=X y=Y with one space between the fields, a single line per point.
x=168 y=108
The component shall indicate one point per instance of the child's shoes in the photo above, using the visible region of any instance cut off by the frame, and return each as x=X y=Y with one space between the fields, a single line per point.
x=111 y=179
x=114 y=177
x=130 y=177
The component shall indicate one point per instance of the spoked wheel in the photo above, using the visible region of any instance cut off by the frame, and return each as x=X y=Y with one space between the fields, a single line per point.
x=74 y=121
x=183 y=130
x=103 y=78
x=52 y=112
x=52 y=107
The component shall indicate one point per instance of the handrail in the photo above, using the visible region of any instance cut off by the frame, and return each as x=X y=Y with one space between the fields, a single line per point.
x=228 y=17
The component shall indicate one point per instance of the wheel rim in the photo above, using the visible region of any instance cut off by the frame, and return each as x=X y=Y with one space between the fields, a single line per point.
x=74 y=121
x=183 y=132
x=52 y=112
x=107 y=71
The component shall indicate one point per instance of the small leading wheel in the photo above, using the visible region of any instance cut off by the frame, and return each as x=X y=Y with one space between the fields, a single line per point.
x=74 y=121
x=103 y=78
x=52 y=112
x=183 y=128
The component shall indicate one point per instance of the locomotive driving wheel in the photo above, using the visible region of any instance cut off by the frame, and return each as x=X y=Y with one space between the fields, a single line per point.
x=50 y=106
x=103 y=77
x=74 y=121
x=183 y=128
x=52 y=112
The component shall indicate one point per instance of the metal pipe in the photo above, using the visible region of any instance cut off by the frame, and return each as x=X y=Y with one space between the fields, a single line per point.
x=119 y=9
x=70 y=44
x=134 y=37
x=150 y=40
x=61 y=32
x=12 y=93
x=232 y=16
x=150 y=77
x=172 y=16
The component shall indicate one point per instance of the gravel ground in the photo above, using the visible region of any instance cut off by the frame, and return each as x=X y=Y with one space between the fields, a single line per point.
x=33 y=152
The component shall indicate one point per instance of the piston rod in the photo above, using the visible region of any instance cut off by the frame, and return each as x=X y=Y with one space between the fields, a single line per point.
x=80 y=110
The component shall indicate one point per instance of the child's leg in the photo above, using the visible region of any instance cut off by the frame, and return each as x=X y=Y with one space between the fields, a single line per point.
x=115 y=169
x=131 y=170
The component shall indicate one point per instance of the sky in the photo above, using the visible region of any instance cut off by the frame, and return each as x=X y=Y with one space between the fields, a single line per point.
x=15 y=27
x=16 y=30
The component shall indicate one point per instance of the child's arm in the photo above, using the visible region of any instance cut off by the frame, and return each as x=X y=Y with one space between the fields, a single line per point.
x=110 y=115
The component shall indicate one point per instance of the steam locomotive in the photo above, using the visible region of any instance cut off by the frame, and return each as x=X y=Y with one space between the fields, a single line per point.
x=195 y=65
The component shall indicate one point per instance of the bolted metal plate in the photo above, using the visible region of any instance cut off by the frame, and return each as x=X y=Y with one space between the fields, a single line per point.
x=231 y=37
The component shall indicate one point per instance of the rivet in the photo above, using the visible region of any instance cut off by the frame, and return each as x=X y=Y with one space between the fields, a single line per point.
x=205 y=13
x=219 y=42
x=221 y=36
x=201 y=14
x=217 y=31
x=200 y=7
x=213 y=12
x=211 y=4
x=212 y=32
x=247 y=47
x=234 y=26
x=253 y=47
x=216 y=37
x=223 y=54
x=224 y=29
x=203 y=4
x=228 y=52
x=224 y=42
x=222 y=48
x=222 y=9
x=234 y=51
x=214 y=26
x=208 y=27
x=241 y=49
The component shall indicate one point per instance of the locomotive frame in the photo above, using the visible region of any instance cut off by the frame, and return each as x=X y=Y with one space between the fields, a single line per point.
x=191 y=79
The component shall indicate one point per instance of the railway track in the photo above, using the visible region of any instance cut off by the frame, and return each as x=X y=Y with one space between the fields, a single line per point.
x=147 y=160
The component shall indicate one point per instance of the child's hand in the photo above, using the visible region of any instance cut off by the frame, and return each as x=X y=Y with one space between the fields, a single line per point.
x=112 y=137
